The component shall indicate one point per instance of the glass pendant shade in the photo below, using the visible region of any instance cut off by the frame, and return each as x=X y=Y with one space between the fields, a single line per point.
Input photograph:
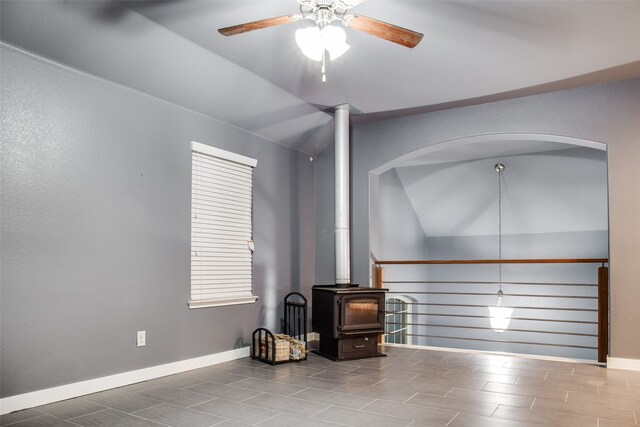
x=500 y=316
x=312 y=41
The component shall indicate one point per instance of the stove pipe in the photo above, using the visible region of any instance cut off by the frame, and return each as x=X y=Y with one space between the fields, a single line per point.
x=342 y=249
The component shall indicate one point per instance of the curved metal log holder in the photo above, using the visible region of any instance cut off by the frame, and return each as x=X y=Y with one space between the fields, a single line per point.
x=268 y=348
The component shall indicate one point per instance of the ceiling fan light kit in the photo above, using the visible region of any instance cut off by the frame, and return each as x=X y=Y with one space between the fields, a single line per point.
x=323 y=38
x=313 y=41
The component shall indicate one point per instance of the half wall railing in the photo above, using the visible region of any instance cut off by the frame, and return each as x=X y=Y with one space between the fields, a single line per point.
x=559 y=311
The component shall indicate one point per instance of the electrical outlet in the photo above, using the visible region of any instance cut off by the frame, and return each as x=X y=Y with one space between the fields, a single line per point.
x=142 y=338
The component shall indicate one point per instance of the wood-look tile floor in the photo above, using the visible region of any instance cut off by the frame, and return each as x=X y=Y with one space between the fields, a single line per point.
x=410 y=387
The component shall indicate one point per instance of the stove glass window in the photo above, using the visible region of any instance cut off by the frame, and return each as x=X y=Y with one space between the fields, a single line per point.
x=361 y=311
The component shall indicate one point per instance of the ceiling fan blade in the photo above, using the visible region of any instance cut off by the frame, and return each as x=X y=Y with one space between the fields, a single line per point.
x=381 y=29
x=258 y=25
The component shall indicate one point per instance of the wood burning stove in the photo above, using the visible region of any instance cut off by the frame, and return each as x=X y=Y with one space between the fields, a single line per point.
x=348 y=320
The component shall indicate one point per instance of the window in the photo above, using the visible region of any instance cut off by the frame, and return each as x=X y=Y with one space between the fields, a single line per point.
x=396 y=322
x=221 y=227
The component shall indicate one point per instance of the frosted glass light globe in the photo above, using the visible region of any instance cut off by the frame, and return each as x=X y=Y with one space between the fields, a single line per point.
x=312 y=41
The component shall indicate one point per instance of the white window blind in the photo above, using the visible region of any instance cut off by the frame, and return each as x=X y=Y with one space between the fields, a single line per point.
x=221 y=227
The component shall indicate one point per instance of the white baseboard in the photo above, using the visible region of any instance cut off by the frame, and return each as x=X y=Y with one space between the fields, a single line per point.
x=68 y=391
x=626 y=364
x=497 y=353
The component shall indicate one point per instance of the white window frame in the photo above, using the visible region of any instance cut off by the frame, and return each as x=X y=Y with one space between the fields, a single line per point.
x=221 y=227
x=404 y=326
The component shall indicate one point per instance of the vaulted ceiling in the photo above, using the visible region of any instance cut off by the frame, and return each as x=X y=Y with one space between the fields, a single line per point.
x=550 y=191
x=473 y=51
x=470 y=48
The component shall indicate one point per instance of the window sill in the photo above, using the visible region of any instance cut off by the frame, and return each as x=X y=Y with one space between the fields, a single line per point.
x=222 y=302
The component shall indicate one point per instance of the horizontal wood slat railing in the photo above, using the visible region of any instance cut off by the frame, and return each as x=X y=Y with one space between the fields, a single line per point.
x=603 y=284
x=497 y=261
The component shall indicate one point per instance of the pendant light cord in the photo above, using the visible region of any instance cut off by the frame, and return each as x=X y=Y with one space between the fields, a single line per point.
x=500 y=168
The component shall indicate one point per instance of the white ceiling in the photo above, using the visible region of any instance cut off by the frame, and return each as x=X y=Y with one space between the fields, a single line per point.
x=473 y=51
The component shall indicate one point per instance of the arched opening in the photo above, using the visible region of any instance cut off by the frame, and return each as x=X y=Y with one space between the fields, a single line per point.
x=440 y=203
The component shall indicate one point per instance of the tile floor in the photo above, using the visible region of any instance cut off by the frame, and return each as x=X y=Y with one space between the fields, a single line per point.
x=408 y=388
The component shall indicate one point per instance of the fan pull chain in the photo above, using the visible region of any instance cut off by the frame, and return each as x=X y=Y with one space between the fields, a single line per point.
x=324 y=66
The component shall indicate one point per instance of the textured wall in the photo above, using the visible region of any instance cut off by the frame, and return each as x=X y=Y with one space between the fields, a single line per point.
x=608 y=113
x=399 y=232
x=396 y=229
x=95 y=220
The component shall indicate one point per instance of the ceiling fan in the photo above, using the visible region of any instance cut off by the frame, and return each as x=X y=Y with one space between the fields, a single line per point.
x=322 y=39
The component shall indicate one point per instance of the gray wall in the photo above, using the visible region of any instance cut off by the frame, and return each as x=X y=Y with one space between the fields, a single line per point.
x=399 y=232
x=608 y=113
x=398 y=235
x=95 y=220
x=544 y=192
x=105 y=38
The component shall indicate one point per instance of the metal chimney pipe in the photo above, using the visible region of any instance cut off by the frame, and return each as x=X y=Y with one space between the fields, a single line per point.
x=342 y=252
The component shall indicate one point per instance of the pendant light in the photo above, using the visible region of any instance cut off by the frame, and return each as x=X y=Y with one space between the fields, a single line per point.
x=499 y=315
